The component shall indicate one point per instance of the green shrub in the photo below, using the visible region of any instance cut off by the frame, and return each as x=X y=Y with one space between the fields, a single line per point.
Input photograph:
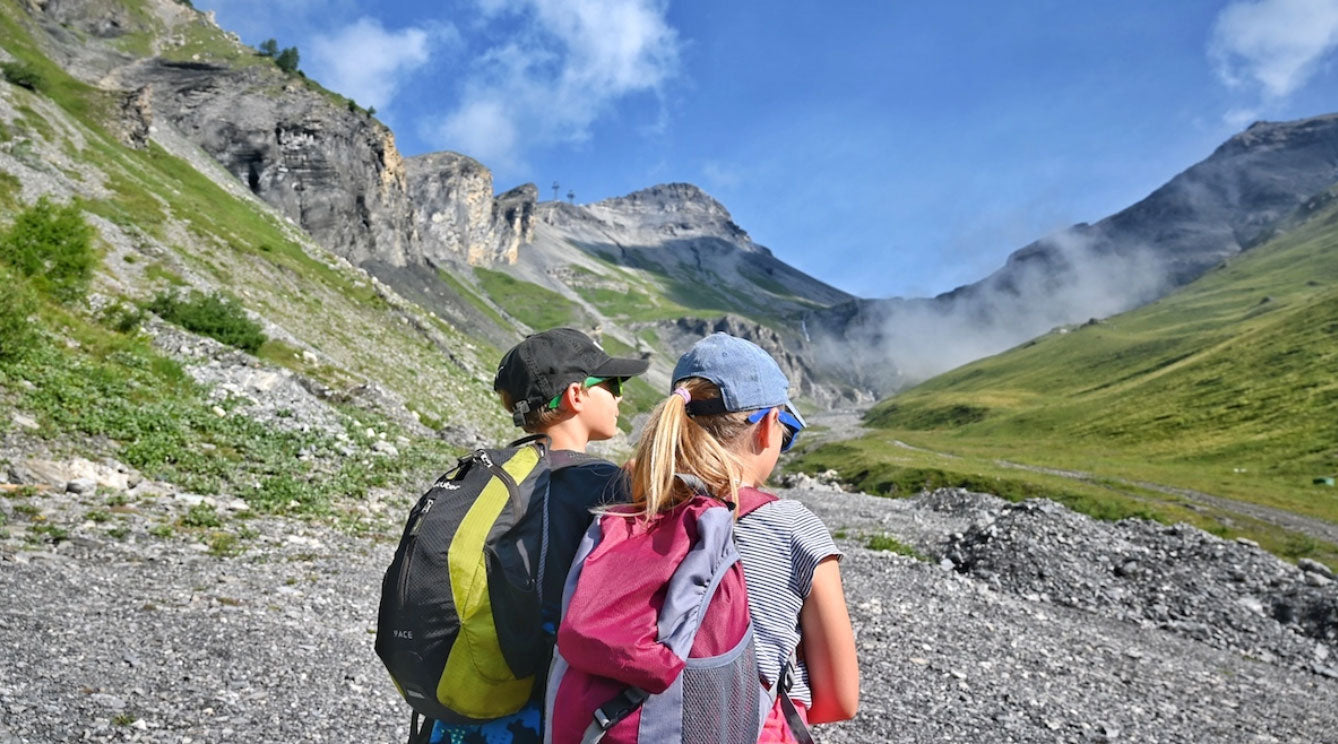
x=202 y=515
x=214 y=315
x=53 y=247
x=23 y=75
x=287 y=60
x=17 y=304
x=268 y=48
x=122 y=318
x=891 y=544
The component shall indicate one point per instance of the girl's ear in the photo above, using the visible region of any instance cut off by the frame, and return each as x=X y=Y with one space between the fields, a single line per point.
x=767 y=431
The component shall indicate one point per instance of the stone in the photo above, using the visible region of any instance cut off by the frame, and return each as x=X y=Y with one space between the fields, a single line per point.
x=1314 y=579
x=1311 y=565
x=81 y=485
x=25 y=422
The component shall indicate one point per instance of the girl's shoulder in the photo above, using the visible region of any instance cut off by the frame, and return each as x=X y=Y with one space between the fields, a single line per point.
x=784 y=511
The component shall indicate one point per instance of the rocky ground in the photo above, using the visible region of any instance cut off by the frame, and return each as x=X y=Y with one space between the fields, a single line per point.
x=1016 y=623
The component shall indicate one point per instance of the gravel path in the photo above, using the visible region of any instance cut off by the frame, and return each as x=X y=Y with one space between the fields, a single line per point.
x=155 y=640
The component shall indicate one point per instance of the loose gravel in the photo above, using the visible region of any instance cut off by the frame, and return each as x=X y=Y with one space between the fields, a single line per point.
x=130 y=636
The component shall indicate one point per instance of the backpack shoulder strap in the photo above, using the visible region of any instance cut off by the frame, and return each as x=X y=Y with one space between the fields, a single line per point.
x=567 y=458
x=752 y=499
x=792 y=718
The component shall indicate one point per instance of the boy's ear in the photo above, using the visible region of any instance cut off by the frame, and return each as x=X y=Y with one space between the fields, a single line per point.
x=573 y=398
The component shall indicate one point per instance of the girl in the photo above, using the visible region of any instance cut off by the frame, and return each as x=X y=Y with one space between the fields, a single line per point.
x=726 y=423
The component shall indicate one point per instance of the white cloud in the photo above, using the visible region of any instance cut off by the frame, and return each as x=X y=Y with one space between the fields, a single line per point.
x=720 y=175
x=566 y=62
x=1239 y=118
x=367 y=62
x=1273 y=46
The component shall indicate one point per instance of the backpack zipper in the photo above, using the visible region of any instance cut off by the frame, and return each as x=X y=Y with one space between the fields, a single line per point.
x=409 y=550
x=512 y=489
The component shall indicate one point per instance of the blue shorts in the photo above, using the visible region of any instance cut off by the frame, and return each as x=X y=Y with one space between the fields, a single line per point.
x=519 y=728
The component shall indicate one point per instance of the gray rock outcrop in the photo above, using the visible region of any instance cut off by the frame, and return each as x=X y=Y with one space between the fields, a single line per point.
x=456 y=216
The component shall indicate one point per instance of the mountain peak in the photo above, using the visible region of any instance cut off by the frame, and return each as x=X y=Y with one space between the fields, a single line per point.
x=671 y=196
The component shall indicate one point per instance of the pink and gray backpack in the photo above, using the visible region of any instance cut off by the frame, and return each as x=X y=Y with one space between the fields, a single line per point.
x=656 y=643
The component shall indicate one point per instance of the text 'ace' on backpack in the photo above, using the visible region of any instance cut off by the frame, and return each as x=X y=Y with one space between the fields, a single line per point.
x=656 y=642
x=459 y=625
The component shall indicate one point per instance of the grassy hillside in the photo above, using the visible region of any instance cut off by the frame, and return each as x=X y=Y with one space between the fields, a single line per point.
x=95 y=374
x=1226 y=387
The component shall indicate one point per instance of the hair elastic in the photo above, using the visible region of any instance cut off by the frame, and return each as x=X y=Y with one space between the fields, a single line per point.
x=683 y=393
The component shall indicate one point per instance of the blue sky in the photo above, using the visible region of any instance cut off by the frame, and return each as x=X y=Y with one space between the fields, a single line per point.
x=888 y=148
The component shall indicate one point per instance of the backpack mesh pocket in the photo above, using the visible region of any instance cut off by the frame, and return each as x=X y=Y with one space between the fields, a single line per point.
x=721 y=697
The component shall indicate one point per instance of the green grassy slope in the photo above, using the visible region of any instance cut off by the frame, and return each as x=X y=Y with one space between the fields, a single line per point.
x=1227 y=387
x=96 y=386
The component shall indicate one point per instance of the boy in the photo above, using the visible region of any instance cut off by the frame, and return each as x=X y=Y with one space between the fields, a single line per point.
x=558 y=383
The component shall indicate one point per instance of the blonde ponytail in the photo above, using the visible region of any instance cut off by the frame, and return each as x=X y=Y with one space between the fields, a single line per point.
x=674 y=442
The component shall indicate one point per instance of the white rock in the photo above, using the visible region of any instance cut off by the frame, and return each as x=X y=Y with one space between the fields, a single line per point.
x=383 y=447
x=23 y=421
x=219 y=411
x=81 y=485
x=1315 y=579
x=108 y=476
x=1310 y=565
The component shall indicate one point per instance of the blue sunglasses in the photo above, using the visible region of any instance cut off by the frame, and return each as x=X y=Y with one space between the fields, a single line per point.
x=791 y=424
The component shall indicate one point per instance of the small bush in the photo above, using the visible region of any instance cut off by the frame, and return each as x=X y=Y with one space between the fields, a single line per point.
x=123 y=318
x=287 y=60
x=892 y=545
x=53 y=247
x=224 y=544
x=213 y=315
x=23 y=75
x=202 y=515
x=17 y=304
x=268 y=48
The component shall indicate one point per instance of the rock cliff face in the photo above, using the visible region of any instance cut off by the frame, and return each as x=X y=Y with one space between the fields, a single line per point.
x=334 y=171
x=456 y=216
x=794 y=355
x=331 y=168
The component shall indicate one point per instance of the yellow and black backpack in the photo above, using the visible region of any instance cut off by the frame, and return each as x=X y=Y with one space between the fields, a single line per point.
x=459 y=625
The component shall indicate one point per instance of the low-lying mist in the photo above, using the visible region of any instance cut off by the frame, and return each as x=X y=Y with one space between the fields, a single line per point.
x=1069 y=277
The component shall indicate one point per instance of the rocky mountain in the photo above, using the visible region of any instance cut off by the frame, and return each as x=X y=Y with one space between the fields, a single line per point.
x=334 y=170
x=1254 y=184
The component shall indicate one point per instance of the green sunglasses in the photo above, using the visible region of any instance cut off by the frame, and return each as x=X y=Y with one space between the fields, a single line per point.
x=612 y=384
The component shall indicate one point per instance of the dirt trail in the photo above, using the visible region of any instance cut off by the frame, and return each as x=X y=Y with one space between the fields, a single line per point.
x=1316 y=528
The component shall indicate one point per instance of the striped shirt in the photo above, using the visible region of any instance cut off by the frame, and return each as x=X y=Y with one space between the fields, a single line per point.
x=781 y=543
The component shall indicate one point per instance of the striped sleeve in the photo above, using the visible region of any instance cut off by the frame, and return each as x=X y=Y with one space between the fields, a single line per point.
x=810 y=542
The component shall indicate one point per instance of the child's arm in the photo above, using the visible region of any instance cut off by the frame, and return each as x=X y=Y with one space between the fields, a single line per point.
x=829 y=647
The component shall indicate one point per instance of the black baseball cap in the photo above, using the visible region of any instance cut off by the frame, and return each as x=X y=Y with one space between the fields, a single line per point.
x=539 y=368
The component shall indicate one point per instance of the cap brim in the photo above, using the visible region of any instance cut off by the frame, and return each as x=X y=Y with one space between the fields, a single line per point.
x=620 y=368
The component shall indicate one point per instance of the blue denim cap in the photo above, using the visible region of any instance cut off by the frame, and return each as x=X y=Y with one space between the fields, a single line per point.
x=747 y=376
